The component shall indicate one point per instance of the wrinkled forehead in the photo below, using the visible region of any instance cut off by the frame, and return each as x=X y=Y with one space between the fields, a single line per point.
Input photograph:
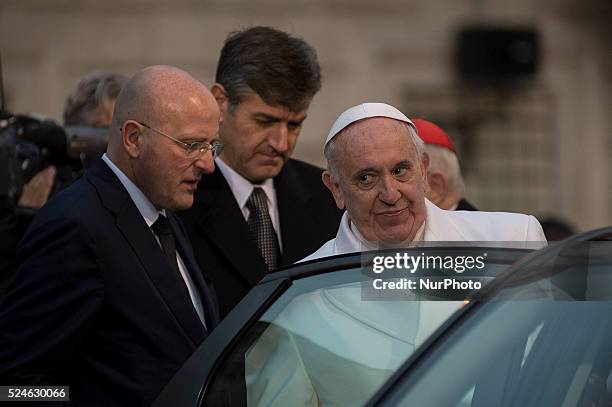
x=376 y=141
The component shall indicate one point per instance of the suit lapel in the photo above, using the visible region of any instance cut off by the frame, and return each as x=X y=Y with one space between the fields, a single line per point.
x=198 y=276
x=221 y=220
x=294 y=214
x=131 y=224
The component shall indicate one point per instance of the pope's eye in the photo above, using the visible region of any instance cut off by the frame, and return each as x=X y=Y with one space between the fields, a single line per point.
x=366 y=179
x=400 y=171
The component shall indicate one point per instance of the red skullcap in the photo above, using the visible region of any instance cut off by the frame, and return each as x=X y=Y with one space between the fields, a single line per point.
x=432 y=134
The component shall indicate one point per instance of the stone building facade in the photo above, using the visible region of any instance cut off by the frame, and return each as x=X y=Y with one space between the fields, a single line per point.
x=540 y=146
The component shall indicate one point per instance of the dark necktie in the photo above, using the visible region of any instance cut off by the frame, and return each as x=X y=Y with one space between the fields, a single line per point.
x=164 y=232
x=162 y=229
x=261 y=228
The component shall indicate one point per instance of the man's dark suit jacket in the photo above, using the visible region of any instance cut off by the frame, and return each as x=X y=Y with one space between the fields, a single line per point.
x=222 y=241
x=95 y=305
x=13 y=226
x=464 y=205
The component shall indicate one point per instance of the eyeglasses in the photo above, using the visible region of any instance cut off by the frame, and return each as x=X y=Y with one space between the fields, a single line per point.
x=194 y=149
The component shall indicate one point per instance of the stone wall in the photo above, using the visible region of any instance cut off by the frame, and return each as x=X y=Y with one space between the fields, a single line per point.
x=389 y=50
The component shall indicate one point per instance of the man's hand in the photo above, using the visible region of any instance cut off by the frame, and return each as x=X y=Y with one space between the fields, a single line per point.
x=36 y=192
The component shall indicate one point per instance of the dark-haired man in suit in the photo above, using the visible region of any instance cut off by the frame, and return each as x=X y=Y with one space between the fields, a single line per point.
x=260 y=209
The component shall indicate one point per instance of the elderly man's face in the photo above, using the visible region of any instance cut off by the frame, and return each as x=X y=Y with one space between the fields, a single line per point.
x=164 y=171
x=381 y=180
x=258 y=138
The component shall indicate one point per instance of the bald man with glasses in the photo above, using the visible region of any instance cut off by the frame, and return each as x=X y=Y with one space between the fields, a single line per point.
x=194 y=148
x=109 y=299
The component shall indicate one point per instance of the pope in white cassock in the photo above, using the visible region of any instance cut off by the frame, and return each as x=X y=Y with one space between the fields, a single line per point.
x=377 y=171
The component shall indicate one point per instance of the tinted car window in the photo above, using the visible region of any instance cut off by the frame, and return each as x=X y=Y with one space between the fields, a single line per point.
x=320 y=343
x=542 y=340
x=318 y=332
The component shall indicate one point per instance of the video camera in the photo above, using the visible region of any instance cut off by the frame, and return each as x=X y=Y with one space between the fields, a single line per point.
x=30 y=143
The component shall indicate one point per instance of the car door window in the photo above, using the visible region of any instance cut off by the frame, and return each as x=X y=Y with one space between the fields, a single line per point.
x=545 y=342
x=567 y=364
x=321 y=343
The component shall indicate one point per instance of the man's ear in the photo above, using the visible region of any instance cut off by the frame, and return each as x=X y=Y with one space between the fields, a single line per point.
x=131 y=137
x=218 y=92
x=438 y=188
x=334 y=188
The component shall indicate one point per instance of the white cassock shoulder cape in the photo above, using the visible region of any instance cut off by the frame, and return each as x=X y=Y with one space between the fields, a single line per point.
x=447 y=226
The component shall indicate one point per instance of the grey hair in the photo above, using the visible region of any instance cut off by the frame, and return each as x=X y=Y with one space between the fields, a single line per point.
x=444 y=161
x=331 y=156
x=93 y=91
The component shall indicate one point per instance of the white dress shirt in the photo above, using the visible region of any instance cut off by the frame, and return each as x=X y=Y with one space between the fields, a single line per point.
x=150 y=215
x=242 y=189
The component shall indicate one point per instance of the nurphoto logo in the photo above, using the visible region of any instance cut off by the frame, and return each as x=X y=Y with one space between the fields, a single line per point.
x=401 y=275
